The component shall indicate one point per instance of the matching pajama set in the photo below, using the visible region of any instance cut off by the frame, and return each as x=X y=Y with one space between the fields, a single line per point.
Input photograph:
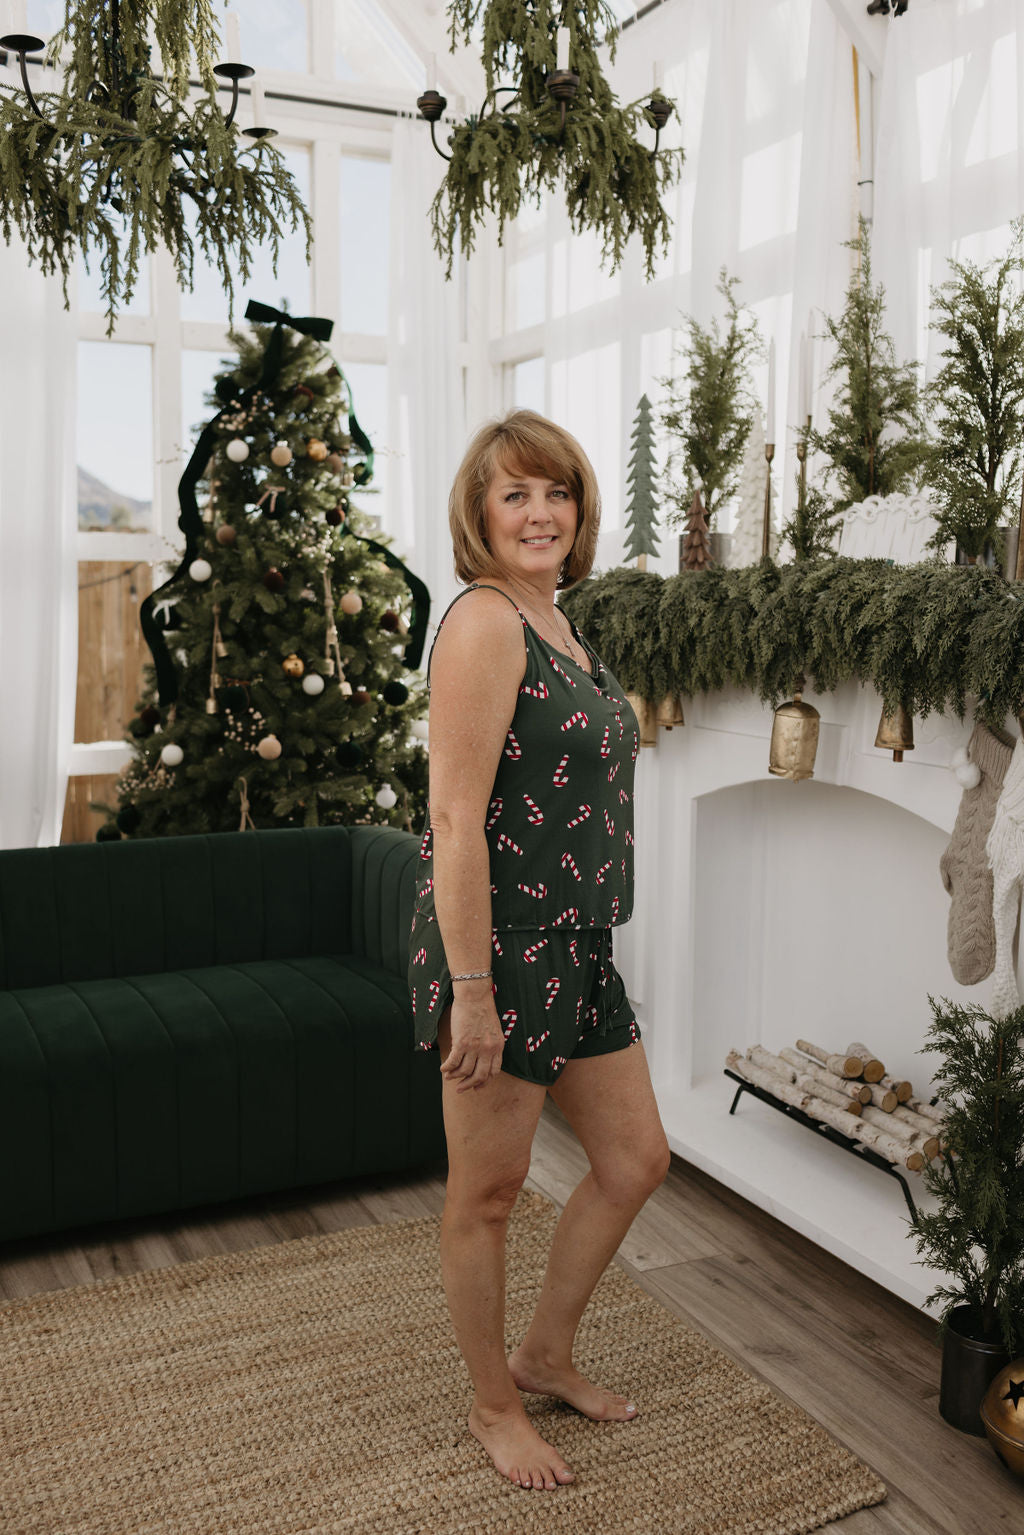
x=560 y=836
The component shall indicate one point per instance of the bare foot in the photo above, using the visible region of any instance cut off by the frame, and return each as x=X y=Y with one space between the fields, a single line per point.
x=570 y=1386
x=517 y=1449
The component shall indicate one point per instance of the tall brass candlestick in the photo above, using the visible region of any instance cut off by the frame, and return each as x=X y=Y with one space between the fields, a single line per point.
x=766 y=535
x=1018 y=574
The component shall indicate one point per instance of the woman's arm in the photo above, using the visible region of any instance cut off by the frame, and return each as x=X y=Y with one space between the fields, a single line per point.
x=478 y=664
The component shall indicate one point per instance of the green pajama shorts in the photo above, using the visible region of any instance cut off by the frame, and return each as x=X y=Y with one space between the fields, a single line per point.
x=558 y=995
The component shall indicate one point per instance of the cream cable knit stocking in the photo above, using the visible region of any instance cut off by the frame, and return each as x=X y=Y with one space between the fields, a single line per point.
x=1005 y=849
x=965 y=872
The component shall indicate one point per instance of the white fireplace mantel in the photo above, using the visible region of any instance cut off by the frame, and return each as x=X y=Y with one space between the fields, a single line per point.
x=768 y=911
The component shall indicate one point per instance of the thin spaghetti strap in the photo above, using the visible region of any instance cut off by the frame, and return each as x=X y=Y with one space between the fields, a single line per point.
x=474 y=586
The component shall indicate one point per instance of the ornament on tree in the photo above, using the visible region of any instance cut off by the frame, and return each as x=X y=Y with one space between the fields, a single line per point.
x=236 y=696
x=274 y=498
x=335 y=463
x=389 y=621
x=293 y=665
x=362 y=474
x=281 y=455
x=310 y=396
x=420 y=729
x=351 y=603
x=149 y=717
x=172 y=755
x=316 y=450
x=349 y=754
x=395 y=693
x=237 y=450
x=200 y=570
x=360 y=697
x=269 y=748
x=695 y=553
x=108 y=833
x=313 y=684
x=273 y=580
x=348 y=479
x=334 y=516
x=128 y=818
x=386 y=797
x=225 y=535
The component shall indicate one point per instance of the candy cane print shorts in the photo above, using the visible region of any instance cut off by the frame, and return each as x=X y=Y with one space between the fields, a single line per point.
x=558 y=995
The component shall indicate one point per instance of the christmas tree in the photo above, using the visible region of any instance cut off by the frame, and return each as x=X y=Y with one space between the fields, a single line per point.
x=875 y=441
x=286 y=701
x=696 y=550
x=748 y=529
x=978 y=393
x=642 y=512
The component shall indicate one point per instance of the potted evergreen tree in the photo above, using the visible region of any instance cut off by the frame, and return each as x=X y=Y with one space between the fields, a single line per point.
x=978 y=395
x=977 y=1232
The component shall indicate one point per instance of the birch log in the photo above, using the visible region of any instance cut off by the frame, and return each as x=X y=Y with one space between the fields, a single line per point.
x=769 y=1080
x=926 y=1110
x=840 y=1065
x=858 y=1090
x=902 y=1088
x=872 y=1068
x=882 y=1097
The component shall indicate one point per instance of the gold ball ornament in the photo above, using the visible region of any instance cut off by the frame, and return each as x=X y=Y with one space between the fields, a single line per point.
x=1002 y=1413
x=335 y=463
x=316 y=450
x=293 y=665
x=281 y=455
x=269 y=748
x=351 y=603
x=225 y=535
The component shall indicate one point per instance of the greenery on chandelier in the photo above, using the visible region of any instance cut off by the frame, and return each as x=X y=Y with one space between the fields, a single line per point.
x=709 y=409
x=508 y=154
x=978 y=399
x=925 y=636
x=121 y=161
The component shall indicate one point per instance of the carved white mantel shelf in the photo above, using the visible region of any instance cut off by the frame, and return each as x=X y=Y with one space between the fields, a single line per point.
x=767 y=911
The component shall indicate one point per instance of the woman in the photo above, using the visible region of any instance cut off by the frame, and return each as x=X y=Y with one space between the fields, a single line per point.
x=526 y=867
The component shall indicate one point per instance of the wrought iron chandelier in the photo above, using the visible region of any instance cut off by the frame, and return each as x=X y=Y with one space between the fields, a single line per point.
x=109 y=163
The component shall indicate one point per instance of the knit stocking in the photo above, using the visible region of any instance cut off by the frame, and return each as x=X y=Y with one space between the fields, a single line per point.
x=964 y=865
x=1005 y=849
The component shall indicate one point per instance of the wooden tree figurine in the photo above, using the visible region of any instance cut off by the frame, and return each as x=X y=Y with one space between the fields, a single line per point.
x=642 y=511
x=696 y=549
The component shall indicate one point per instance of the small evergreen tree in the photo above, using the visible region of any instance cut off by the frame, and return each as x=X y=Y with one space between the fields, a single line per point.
x=875 y=442
x=642 y=509
x=748 y=529
x=811 y=531
x=978 y=396
x=291 y=706
x=709 y=409
x=696 y=549
x=977 y=1232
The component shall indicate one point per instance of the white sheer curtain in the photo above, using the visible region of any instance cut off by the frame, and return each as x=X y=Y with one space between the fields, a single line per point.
x=950 y=165
x=426 y=409
x=38 y=585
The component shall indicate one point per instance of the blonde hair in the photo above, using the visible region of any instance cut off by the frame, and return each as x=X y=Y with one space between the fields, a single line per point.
x=522 y=442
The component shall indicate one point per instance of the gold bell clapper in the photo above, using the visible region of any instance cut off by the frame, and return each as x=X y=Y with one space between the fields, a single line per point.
x=647 y=718
x=669 y=712
x=896 y=732
x=794 y=742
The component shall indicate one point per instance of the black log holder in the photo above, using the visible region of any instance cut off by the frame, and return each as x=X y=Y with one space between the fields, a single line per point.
x=846 y=1142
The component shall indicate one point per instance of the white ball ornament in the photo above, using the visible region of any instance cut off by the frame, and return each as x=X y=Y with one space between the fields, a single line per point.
x=386 y=797
x=313 y=684
x=237 y=450
x=200 y=570
x=420 y=729
x=269 y=748
x=968 y=775
x=958 y=758
x=172 y=755
x=281 y=455
x=351 y=602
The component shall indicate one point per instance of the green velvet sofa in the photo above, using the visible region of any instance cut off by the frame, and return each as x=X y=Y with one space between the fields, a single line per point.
x=192 y=1019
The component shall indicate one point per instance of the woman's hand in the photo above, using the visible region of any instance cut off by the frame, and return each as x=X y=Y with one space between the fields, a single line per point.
x=477 y=1041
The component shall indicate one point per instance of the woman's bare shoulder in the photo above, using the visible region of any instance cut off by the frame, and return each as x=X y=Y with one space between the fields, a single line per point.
x=482 y=622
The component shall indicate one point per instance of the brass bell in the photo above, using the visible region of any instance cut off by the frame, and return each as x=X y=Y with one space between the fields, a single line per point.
x=794 y=740
x=669 y=712
x=647 y=718
x=896 y=732
x=1002 y=1413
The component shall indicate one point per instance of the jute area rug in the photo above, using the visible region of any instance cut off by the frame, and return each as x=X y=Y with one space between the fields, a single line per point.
x=314 y=1386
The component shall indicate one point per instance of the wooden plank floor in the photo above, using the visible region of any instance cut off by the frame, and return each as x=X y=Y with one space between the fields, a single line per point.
x=862 y=1362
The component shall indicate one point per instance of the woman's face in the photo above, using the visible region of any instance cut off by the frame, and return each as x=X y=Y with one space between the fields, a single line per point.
x=530 y=524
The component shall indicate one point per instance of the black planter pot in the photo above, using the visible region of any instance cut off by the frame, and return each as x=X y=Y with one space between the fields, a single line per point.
x=968 y=1365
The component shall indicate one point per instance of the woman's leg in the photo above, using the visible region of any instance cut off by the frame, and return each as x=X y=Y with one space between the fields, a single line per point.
x=609 y=1101
x=490 y=1131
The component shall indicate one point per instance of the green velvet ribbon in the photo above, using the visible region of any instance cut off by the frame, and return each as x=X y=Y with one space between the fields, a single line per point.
x=190 y=522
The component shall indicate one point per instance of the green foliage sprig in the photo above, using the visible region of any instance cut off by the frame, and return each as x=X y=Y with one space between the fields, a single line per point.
x=119 y=155
x=925 y=636
x=875 y=442
x=501 y=159
x=977 y=1232
x=709 y=408
x=978 y=395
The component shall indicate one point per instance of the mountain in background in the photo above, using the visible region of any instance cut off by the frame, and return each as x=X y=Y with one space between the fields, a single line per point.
x=101 y=509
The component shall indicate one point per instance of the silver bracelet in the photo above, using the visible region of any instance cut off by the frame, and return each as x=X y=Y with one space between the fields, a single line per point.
x=473 y=975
